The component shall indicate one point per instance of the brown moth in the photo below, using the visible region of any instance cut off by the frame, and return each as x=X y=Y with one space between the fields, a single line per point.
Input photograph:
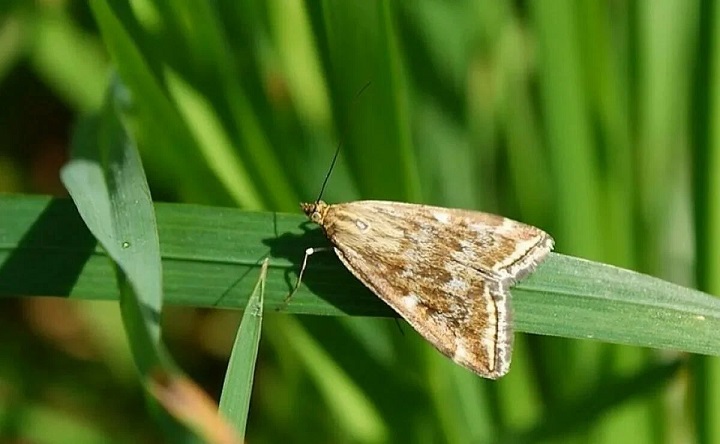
x=447 y=272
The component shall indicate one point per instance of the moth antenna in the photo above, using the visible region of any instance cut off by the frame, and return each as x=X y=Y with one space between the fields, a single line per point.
x=327 y=176
x=340 y=144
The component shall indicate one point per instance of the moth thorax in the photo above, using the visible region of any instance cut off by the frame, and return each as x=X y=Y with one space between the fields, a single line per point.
x=315 y=211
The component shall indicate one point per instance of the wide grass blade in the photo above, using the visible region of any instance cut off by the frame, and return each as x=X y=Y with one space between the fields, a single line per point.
x=211 y=255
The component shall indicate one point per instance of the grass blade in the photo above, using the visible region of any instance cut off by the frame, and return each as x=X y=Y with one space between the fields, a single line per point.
x=205 y=249
x=237 y=388
x=108 y=185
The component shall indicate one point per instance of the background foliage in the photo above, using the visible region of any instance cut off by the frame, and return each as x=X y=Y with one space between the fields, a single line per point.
x=594 y=120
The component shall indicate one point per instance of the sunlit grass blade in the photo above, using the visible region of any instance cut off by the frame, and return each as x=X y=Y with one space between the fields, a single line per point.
x=69 y=59
x=157 y=122
x=211 y=257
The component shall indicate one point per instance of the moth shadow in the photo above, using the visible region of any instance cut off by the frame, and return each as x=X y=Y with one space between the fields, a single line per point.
x=325 y=277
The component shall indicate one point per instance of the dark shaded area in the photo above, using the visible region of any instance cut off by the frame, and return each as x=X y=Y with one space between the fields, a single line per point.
x=51 y=255
x=35 y=129
x=323 y=276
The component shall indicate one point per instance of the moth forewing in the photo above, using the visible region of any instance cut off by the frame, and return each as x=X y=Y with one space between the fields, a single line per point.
x=446 y=271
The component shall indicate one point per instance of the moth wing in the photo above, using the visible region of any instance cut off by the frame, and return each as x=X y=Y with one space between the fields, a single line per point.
x=473 y=332
x=430 y=265
x=504 y=248
x=497 y=246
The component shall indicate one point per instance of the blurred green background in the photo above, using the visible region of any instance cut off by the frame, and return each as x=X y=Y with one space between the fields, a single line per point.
x=594 y=120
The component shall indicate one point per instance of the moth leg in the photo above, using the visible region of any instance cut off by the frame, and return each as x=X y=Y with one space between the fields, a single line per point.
x=308 y=253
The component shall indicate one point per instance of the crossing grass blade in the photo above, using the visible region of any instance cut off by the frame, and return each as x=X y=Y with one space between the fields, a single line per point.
x=237 y=388
x=107 y=183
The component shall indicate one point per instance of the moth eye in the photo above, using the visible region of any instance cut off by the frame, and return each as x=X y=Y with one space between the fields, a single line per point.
x=315 y=217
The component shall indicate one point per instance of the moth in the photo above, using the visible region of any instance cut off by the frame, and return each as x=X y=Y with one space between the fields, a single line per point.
x=447 y=272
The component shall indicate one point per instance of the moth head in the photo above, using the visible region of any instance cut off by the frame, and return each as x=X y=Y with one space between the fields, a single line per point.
x=315 y=211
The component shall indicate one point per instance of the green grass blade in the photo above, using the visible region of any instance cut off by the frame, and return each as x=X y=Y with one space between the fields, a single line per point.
x=706 y=205
x=383 y=148
x=211 y=254
x=568 y=127
x=69 y=59
x=237 y=388
x=108 y=185
x=157 y=122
